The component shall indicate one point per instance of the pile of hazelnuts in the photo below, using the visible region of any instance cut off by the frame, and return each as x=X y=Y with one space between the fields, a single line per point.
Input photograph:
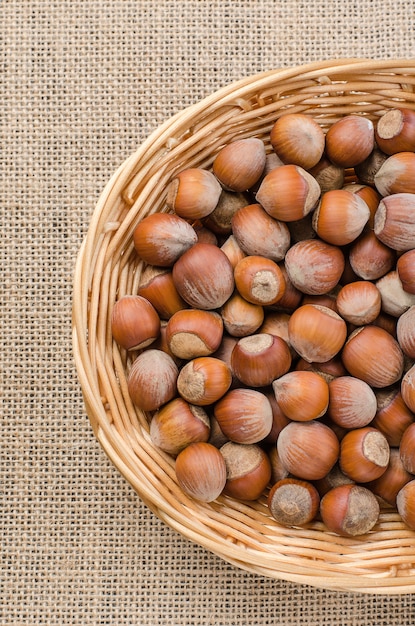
x=272 y=336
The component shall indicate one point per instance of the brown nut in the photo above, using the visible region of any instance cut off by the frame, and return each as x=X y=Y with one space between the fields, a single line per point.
x=370 y=258
x=293 y=502
x=301 y=395
x=317 y=333
x=350 y=140
x=201 y=471
x=248 y=470
x=204 y=380
x=177 y=424
x=372 y=354
x=352 y=402
x=392 y=480
x=349 y=510
x=297 y=138
x=395 y=131
x=259 y=359
x=407 y=449
x=152 y=379
x=408 y=388
x=259 y=280
x=397 y=174
x=364 y=454
x=203 y=276
x=158 y=287
x=359 y=302
x=244 y=415
x=392 y=416
x=405 y=503
x=193 y=193
x=135 y=323
x=258 y=234
x=308 y=450
x=405 y=332
x=239 y=164
x=240 y=317
x=340 y=217
x=405 y=267
x=394 y=222
x=288 y=193
x=314 y=267
x=194 y=332
x=161 y=238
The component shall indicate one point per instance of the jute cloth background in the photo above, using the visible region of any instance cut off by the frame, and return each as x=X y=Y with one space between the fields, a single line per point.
x=83 y=83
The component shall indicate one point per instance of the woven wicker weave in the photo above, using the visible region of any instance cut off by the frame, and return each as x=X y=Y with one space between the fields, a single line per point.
x=107 y=268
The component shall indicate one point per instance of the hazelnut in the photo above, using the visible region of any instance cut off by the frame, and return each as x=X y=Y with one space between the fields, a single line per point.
x=359 y=302
x=314 y=267
x=394 y=222
x=405 y=503
x=395 y=131
x=152 y=379
x=350 y=140
x=301 y=395
x=317 y=333
x=372 y=354
x=259 y=359
x=397 y=174
x=288 y=193
x=405 y=267
x=244 y=415
x=204 y=380
x=407 y=449
x=259 y=280
x=349 y=510
x=201 y=471
x=135 y=323
x=392 y=480
x=239 y=164
x=364 y=454
x=248 y=470
x=194 y=332
x=193 y=193
x=297 y=138
x=308 y=450
x=370 y=258
x=408 y=388
x=161 y=238
x=352 y=402
x=203 y=276
x=157 y=286
x=340 y=217
x=177 y=424
x=258 y=234
x=405 y=332
x=293 y=502
x=395 y=300
x=240 y=317
x=392 y=416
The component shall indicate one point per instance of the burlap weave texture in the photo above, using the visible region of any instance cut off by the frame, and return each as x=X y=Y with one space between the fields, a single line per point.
x=83 y=83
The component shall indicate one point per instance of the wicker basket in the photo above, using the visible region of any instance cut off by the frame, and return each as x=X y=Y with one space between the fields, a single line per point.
x=107 y=268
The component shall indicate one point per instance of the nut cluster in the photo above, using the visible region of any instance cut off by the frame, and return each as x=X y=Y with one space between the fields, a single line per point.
x=272 y=337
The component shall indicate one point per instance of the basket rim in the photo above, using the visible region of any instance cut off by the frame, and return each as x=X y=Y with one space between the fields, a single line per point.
x=121 y=451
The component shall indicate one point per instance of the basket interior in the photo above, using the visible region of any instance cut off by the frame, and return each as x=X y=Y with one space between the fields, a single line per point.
x=243 y=534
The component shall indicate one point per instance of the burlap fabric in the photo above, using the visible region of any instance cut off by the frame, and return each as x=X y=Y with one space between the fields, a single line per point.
x=83 y=83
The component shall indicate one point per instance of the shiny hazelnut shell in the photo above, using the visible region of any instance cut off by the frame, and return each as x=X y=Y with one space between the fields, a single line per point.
x=349 y=510
x=135 y=323
x=201 y=471
x=203 y=276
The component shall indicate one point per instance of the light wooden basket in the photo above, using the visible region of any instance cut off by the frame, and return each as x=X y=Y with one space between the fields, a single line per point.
x=107 y=268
